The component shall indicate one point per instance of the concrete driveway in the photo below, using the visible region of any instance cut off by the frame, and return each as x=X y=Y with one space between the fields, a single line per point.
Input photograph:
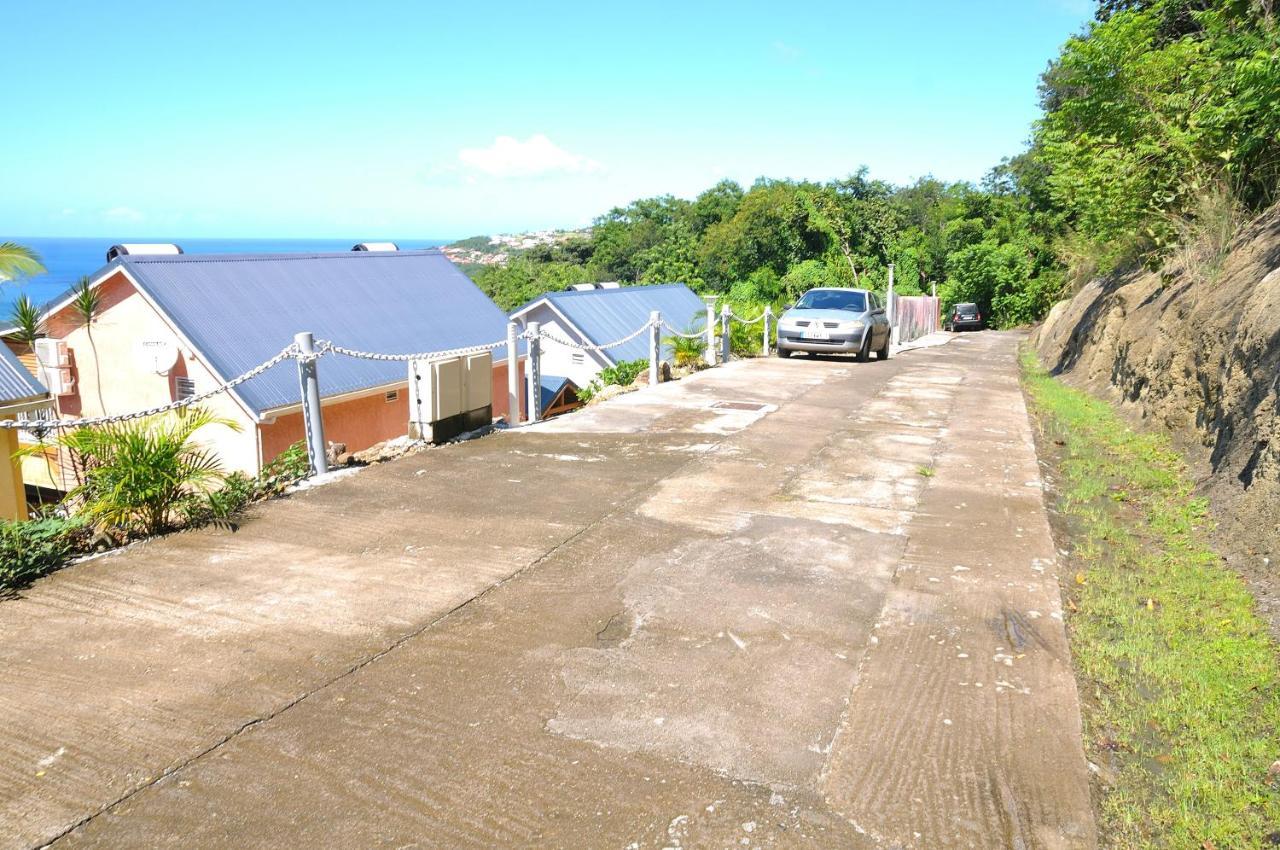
x=803 y=603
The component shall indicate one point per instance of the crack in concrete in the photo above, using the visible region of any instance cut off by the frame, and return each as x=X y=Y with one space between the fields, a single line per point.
x=628 y=504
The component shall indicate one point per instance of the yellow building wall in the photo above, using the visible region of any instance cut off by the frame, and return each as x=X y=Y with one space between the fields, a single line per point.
x=13 y=497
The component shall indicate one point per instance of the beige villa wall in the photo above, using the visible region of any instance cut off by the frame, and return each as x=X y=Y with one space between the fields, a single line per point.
x=108 y=375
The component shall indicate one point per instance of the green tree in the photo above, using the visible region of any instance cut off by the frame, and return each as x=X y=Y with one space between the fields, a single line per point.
x=86 y=302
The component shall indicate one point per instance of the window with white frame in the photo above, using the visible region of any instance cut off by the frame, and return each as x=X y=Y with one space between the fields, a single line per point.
x=38 y=414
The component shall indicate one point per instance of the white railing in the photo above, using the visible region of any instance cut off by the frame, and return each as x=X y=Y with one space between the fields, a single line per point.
x=307 y=351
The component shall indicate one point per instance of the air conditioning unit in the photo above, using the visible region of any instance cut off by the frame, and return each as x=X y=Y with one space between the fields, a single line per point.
x=449 y=397
x=54 y=359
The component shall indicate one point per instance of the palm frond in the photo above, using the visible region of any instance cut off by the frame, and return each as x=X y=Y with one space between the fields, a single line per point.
x=140 y=477
x=18 y=261
x=86 y=301
x=27 y=320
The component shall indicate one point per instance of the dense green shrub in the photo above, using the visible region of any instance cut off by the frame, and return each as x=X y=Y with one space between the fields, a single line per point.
x=32 y=548
x=219 y=507
x=286 y=468
x=620 y=375
x=685 y=350
x=623 y=373
x=140 y=477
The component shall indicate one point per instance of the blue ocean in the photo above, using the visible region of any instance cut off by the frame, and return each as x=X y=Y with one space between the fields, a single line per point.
x=67 y=260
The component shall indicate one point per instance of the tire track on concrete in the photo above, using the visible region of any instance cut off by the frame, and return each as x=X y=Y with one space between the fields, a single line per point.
x=957 y=735
x=351 y=670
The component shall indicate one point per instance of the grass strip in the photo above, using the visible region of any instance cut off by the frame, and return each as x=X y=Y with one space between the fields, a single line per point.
x=1179 y=679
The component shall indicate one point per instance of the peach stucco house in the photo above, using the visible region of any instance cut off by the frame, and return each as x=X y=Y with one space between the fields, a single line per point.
x=176 y=325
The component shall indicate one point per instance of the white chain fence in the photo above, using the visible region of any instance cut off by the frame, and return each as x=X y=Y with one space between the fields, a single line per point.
x=590 y=347
x=42 y=426
x=756 y=320
x=681 y=334
x=324 y=347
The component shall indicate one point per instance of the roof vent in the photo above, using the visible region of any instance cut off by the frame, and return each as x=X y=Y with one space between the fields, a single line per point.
x=375 y=246
x=588 y=287
x=142 y=249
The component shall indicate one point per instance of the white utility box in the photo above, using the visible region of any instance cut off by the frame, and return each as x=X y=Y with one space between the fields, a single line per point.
x=449 y=397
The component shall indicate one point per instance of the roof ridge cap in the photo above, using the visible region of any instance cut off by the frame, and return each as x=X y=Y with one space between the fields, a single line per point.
x=258 y=258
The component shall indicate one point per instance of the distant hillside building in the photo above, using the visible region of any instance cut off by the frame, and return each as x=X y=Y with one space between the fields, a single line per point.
x=173 y=326
x=597 y=316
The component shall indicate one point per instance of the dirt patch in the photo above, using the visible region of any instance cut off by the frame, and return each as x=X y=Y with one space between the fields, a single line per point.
x=1201 y=361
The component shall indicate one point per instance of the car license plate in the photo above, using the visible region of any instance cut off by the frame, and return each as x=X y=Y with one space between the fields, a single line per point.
x=814 y=333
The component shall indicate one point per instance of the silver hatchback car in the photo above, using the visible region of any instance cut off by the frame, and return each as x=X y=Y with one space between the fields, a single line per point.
x=835 y=320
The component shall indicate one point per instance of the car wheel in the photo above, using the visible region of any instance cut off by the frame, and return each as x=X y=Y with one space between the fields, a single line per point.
x=864 y=353
x=883 y=353
x=784 y=353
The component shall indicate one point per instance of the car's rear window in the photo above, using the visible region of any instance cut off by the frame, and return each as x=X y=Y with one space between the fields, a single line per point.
x=967 y=309
x=833 y=299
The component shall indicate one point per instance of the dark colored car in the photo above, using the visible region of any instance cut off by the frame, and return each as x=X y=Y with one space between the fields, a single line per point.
x=964 y=317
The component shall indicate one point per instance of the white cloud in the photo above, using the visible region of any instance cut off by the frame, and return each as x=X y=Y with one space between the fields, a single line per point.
x=122 y=214
x=538 y=155
x=787 y=52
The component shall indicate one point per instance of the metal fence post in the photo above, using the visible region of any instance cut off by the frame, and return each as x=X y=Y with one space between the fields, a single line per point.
x=710 y=354
x=724 y=334
x=312 y=421
x=535 y=372
x=513 y=374
x=655 y=346
x=768 y=314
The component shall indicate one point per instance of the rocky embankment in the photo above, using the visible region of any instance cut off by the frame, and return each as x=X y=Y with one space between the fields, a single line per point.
x=1196 y=354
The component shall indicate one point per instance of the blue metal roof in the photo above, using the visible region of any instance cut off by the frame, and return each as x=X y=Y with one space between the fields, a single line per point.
x=604 y=315
x=17 y=384
x=241 y=309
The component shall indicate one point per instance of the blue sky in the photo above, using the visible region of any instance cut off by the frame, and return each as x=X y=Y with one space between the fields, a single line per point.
x=400 y=119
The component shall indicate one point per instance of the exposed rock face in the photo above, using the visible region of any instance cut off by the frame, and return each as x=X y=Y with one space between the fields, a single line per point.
x=1200 y=358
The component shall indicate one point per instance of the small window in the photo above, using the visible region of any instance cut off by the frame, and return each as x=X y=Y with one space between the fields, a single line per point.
x=394 y=395
x=578 y=358
x=39 y=414
x=183 y=387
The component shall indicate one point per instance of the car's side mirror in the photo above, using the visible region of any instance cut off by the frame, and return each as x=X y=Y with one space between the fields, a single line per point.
x=788 y=307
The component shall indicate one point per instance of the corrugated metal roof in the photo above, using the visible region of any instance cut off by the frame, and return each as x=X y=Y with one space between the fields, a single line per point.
x=551 y=387
x=241 y=309
x=608 y=314
x=17 y=385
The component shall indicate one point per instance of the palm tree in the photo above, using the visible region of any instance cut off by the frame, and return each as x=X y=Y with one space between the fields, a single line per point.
x=87 y=302
x=28 y=326
x=18 y=261
x=139 y=476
